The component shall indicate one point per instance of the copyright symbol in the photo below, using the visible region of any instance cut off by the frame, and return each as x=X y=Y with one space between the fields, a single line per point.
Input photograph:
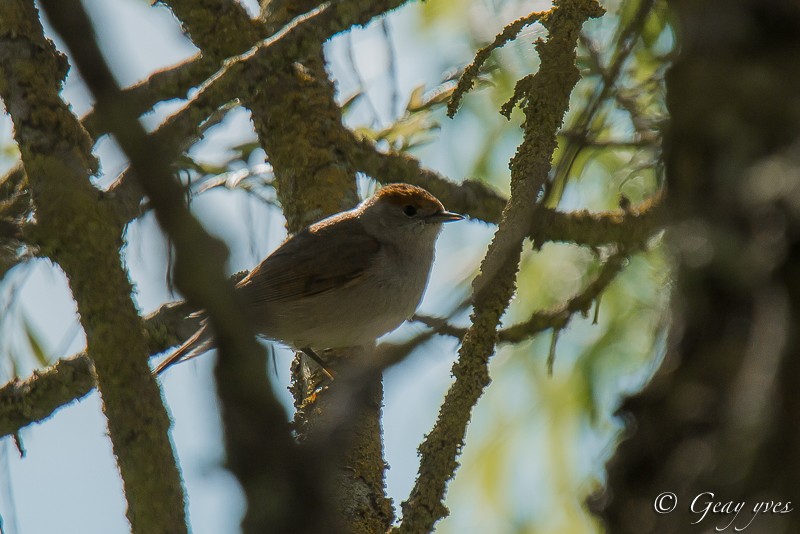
x=665 y=502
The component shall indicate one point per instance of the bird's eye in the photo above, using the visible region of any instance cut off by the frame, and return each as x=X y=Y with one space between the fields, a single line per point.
x=410 y=210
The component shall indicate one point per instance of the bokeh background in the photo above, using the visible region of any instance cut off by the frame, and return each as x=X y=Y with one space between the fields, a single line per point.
x=537 y=444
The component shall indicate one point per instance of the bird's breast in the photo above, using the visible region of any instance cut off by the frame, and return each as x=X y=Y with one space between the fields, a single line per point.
x=385 y=295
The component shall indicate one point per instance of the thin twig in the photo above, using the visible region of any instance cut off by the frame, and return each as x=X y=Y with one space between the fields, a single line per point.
x=542 y=320
x=626 y=39
x=467 y=79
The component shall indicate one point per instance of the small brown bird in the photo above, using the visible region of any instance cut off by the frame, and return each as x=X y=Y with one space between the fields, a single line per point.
x=344 y=281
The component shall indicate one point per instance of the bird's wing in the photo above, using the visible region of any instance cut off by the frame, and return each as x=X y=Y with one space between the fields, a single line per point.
x=311 y=263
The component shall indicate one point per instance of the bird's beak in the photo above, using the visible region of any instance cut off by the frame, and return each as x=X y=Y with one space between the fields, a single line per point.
x=444 y=216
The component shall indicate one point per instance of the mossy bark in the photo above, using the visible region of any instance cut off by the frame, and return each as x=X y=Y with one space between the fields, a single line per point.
x=80 y=233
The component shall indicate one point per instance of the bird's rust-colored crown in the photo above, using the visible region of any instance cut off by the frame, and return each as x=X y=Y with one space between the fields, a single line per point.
x=402 y=194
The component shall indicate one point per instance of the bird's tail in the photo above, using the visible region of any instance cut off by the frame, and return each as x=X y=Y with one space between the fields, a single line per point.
x=200 y=342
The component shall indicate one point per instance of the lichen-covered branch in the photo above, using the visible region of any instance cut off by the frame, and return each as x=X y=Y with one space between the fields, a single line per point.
x=473 y=198
x=177 y=134
x=628 y=228
x=82 y=236
x=242 y=76
x=23 y=402
x=34 y=399
x=172 y=82
x=260 y=449
x=540 y=321
x=546 y=100
x=479 y=201
x=220 y=28
x=471 y=72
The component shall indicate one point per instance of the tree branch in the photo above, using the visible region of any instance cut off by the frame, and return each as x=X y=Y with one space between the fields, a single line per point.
x=540 y=321
x=24 y=402
x=176 y=135
x=628 y=228
x=220 y=28
x=172 y=82
x=546 y=97
x=77 y=232
x=480 y=202
x=260 y=450
x=241 y=75
x=471 y=197
x=467 y=78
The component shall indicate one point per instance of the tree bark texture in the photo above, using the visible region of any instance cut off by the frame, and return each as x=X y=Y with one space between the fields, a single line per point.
x=80 y=233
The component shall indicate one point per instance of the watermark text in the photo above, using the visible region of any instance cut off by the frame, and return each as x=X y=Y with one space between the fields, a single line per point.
x=727 y=514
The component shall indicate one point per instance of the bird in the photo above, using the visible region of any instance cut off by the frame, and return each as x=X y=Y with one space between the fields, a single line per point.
x=343 y=281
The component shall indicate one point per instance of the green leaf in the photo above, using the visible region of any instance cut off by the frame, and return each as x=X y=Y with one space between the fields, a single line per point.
x=35 y=343
x=415 y=101
x=350 y=101
x=244 y=150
